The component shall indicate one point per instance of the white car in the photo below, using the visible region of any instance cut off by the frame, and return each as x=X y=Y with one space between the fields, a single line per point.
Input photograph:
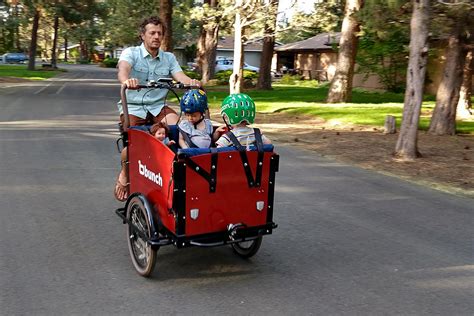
x=12 y=58
x=228 y=64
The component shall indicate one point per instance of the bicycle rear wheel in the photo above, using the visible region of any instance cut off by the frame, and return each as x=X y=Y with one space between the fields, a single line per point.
x=138 y=231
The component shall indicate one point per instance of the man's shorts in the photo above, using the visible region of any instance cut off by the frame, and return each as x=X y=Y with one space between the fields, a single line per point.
x=150 y=119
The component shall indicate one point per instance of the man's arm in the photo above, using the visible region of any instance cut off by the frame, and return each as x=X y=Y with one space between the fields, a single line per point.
x=124 y=70
x=183 y=78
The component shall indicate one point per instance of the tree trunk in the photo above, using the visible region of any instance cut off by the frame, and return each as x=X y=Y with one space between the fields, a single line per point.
x=166 y=14
x=17 y=29
x=83 y=50
x=464 y=108
x=443 y=120
x=390 y=126
x=265 y=75
x=65 y=49
x=208 y=60
x=34 y=39
x=235 y=80
x=55 y=43
x=340 y=89
x=407 y=143
x=207 y=44
x=45 y=51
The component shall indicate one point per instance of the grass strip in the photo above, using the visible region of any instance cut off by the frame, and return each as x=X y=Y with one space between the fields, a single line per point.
x=20 y=71
x=367 y=108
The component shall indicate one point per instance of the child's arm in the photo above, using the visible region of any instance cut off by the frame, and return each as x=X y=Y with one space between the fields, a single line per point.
x=218 y=132
x=182 y=142
x=265 y=140
x=223 y=141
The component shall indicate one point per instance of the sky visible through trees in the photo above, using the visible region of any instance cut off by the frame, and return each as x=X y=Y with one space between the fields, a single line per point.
x=289 y=7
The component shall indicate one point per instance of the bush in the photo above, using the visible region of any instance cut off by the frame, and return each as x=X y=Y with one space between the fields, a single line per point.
x=289 y=79
x=250 y=75
x=84 y=61
x=110 y=62
x=248 y=83
x=191 y=74
x=212 y=82
x=222 y=77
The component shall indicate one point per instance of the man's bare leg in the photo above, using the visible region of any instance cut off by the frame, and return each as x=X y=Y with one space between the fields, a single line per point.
x=170 y=119
x=121 y=186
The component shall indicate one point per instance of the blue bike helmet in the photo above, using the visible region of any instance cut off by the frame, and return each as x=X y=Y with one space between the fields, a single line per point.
x=194 y=100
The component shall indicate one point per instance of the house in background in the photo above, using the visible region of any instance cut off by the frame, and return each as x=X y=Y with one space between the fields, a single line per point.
x=252 y=50
x=316 y=58
x=72 y=52
x=312 y=58
x=225 y=49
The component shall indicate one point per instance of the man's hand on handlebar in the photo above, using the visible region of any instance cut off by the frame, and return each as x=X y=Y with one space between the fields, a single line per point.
x=195 y=82
x=131 y=83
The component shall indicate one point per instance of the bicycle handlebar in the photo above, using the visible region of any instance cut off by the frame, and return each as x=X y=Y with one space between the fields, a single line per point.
x=166 y=85
x=169 y=85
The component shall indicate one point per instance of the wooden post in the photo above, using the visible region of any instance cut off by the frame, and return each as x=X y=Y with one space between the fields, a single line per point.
x=390 y=125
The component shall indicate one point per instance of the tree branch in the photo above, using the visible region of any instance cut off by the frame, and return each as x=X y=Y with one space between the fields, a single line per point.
x=455 y=3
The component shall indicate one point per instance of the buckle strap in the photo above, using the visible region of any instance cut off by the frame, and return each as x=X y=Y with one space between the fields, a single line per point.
x=245 y=161
x=187 y=139
x=259 y=143
x=235 y=141
x=210 y=177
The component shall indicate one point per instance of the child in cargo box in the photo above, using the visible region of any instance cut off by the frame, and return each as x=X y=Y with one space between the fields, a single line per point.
x=238 y=111
x=161 y=131
x=196 y=130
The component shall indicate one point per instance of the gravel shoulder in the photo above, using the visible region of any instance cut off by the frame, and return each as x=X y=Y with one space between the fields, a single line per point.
x=447 y=162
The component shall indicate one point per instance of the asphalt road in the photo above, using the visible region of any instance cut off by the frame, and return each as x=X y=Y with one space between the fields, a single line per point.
x=349 y=241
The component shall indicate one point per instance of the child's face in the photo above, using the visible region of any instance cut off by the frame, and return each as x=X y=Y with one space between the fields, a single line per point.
x=160 y=134
x=193 y=117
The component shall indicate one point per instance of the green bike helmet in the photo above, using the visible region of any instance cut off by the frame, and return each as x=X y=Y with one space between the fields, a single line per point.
x=238 y=107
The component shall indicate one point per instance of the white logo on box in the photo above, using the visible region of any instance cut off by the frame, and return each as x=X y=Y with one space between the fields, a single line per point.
x=150 y=175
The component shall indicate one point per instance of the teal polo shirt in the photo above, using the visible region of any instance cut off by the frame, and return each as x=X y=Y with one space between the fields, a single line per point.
x=146 y=68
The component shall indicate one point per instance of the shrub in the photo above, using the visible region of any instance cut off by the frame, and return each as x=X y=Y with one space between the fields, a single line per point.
x=212 y=82
x=250 y=75
x=191 y=74
x=289 y=79
x=84 y=61
x=222 y=77
x=110 y=62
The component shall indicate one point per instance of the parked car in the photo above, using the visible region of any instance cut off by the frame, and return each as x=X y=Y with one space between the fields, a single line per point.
x=192 y=66
x=228 y=64
x=11 y=58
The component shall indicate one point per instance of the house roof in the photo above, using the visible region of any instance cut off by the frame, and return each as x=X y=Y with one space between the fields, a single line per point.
x=227 y=43
x=321 y=41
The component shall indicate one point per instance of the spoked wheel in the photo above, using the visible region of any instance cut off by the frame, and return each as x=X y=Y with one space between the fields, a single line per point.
x=143 y=256
x=247 y=249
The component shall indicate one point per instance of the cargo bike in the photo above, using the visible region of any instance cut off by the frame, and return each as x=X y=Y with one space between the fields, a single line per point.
x=194 y=196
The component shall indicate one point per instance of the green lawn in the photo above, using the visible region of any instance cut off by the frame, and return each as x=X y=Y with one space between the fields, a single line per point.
x=367 y=108
x=307 y=97
x=20 y=71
